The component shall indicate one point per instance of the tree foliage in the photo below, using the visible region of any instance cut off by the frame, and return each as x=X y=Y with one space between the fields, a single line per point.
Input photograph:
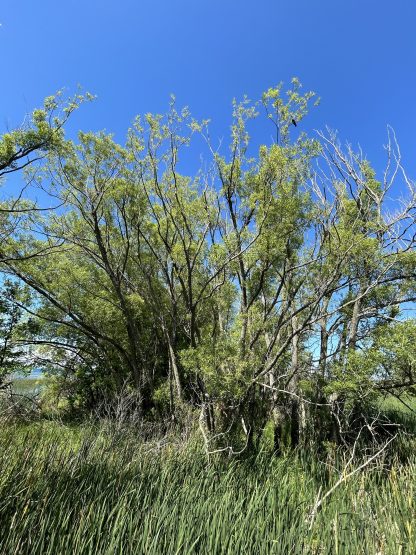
x=267 y=284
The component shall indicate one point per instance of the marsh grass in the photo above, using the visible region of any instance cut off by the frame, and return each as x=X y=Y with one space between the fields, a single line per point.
x=87 y=490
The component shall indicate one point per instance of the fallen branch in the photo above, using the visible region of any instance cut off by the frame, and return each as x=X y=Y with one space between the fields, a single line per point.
x=344 y=477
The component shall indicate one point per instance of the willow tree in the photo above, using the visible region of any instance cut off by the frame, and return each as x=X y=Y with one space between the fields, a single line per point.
x=369 y=225
x=41 y=134
x=245 y=291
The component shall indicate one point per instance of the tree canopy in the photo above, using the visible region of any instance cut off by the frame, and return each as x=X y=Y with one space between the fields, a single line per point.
x=269 y=285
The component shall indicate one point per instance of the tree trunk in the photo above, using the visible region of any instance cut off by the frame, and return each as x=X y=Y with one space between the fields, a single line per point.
x=174 y=367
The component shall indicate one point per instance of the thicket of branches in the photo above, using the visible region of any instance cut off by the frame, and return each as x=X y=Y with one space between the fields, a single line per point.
x=271 y=285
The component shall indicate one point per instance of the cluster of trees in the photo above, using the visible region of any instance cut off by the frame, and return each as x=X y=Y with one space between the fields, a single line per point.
x=269 y=286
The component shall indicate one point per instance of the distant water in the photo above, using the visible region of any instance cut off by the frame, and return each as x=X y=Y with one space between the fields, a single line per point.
x=35 y=374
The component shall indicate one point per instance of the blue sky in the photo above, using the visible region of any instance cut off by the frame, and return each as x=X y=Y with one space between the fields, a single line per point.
x=360 y=56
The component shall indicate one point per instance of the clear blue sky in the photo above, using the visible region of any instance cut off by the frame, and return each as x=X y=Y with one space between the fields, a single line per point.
x=360 y=56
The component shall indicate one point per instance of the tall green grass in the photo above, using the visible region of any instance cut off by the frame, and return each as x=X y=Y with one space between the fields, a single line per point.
x=86 y=490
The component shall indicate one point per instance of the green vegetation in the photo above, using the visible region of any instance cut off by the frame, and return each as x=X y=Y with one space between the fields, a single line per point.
x=234 y=343
x=266 y=284
x=89 y=490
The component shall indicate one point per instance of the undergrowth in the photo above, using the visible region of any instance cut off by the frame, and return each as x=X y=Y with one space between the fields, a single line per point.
x=92 y=490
